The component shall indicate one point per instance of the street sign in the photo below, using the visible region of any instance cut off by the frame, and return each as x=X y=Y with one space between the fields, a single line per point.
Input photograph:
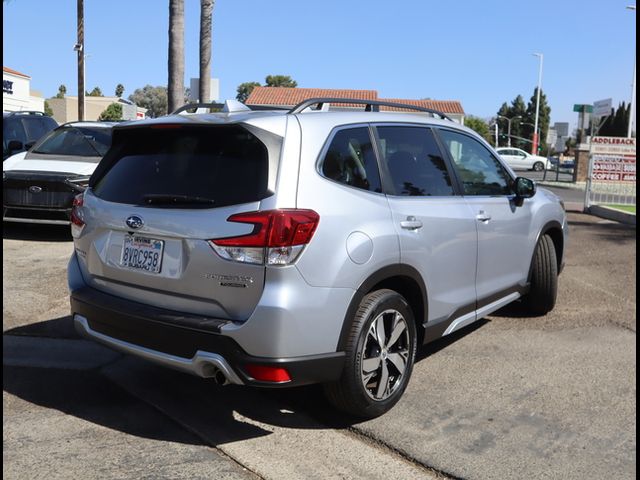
x=583 y=108
x=602 y=108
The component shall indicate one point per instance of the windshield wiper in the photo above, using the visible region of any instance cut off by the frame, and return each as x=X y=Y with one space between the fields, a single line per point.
x=169 y=199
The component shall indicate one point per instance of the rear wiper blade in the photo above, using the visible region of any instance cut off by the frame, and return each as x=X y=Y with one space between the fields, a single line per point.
x=167 y=199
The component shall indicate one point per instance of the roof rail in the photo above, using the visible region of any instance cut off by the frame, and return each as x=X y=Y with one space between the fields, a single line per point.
x=371 y=105
x=232 y=106
x=25 y=112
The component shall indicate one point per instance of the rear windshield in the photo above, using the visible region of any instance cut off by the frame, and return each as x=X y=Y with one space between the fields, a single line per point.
x=78 y=141
x=184 y=167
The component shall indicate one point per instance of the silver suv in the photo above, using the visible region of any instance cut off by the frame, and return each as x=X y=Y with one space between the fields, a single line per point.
x=282 y=248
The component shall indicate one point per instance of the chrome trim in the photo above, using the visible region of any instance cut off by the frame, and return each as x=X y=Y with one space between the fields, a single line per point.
x=471 y=317
x=196 y=365
x=35 y=220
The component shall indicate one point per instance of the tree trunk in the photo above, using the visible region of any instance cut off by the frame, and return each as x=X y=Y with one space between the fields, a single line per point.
x=175 y=90
x=206 y=13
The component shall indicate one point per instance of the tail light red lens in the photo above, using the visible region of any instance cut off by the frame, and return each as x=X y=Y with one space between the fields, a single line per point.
x=266 y=373
x=278 y=237
x=77 y=223
x=274 y=228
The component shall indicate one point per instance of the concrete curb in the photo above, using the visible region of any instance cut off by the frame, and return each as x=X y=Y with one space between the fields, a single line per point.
x=612 y=214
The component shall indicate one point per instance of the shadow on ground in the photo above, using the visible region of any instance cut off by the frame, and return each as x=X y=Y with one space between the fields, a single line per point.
x=35 y=232
x=209 y=414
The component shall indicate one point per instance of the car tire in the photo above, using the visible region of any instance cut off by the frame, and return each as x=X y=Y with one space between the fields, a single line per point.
x=544 y=278
x=538 y=167
x=368 y=390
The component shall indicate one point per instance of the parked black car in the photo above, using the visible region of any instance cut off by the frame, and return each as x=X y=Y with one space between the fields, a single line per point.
x=21 y=130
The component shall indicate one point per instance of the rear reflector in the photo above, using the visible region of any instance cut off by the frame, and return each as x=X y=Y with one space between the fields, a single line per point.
x=265 y=373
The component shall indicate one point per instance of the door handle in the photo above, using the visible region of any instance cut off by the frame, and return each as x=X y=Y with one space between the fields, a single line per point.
x=483 y=217
x=411 y=223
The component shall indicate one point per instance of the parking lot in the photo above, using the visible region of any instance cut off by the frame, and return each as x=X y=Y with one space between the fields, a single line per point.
x=508 y=397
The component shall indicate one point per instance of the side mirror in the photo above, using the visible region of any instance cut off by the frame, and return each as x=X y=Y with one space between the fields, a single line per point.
x=524 y=188
x=14 y=145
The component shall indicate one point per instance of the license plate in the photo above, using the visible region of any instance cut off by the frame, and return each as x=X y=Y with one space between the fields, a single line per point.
x=142 y=253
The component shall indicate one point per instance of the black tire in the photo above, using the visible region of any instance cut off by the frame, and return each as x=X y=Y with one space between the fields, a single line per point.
x=544 y=278
x=352 y=394
x=538 y=167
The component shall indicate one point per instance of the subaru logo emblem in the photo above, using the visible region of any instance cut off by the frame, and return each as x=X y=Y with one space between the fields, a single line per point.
x=135 y=221
x=35 y=189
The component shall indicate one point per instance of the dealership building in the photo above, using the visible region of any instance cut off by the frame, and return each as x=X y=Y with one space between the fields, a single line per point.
x=17 y=94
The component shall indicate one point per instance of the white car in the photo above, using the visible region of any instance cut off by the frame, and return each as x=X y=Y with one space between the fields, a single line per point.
x=520 y=160
x=38 y=186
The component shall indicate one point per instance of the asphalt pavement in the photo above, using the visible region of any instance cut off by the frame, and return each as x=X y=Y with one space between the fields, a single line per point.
x=508 y=397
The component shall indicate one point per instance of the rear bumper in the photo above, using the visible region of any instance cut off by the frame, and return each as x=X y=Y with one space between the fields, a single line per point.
x=189 y=343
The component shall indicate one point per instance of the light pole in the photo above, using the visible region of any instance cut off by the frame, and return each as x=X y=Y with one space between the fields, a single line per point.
x=509 y=127
x=79 y=47
x=632 y=107
x=534 y=148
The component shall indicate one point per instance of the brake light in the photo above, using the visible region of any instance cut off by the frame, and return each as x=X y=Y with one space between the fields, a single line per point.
x=77 y=222
x=266 y=373
x=278 y=237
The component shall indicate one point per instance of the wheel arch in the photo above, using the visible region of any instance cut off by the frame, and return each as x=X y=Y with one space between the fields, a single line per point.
x=402 y=278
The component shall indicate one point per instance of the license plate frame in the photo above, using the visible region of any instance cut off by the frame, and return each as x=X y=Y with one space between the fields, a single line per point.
x=133 y=252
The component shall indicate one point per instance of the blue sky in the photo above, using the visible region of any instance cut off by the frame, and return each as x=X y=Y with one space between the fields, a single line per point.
x=478 y=52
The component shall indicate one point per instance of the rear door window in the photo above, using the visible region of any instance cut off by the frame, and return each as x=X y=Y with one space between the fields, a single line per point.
x=414 y=161
x=184 y=167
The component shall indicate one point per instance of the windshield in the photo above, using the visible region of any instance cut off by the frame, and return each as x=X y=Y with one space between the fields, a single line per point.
x=78 y=141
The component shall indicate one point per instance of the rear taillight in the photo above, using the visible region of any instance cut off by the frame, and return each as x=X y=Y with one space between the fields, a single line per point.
x=77 y=222
x=278 y=237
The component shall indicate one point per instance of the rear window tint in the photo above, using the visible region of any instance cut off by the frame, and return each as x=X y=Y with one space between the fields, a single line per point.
x=184 y=167
x=77 y=141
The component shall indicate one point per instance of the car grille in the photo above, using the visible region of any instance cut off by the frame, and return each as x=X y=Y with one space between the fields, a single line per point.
x=29 y=189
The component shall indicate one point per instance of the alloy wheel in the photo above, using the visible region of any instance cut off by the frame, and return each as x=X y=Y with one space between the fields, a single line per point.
x=385 y=352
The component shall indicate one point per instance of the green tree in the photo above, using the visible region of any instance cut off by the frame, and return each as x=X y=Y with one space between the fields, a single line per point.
x=544 y=121
x=244 y=90
x=517 y=109
x=478 y=125
x=96 y=92
x=615 y=124
x=62 y=91
x=47 y=109
x=175 y=92
x=111 y=113
x=119 y=90
x=280 y=81
x=154 y=99
x=206 y=23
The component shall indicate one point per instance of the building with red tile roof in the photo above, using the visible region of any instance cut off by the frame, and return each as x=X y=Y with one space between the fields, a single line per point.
x=289 y=97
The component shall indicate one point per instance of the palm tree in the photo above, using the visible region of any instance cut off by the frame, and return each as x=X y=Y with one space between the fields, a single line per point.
x=175 y=91
x=206 y=13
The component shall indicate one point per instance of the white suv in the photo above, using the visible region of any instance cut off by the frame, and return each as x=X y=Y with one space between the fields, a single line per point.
x=281 y=248
x=520 y=160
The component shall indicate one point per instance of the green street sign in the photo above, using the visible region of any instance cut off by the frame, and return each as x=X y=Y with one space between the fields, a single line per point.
x=583 y=108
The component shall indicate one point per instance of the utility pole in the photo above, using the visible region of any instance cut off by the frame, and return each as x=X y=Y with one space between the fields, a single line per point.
x=80 y=49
